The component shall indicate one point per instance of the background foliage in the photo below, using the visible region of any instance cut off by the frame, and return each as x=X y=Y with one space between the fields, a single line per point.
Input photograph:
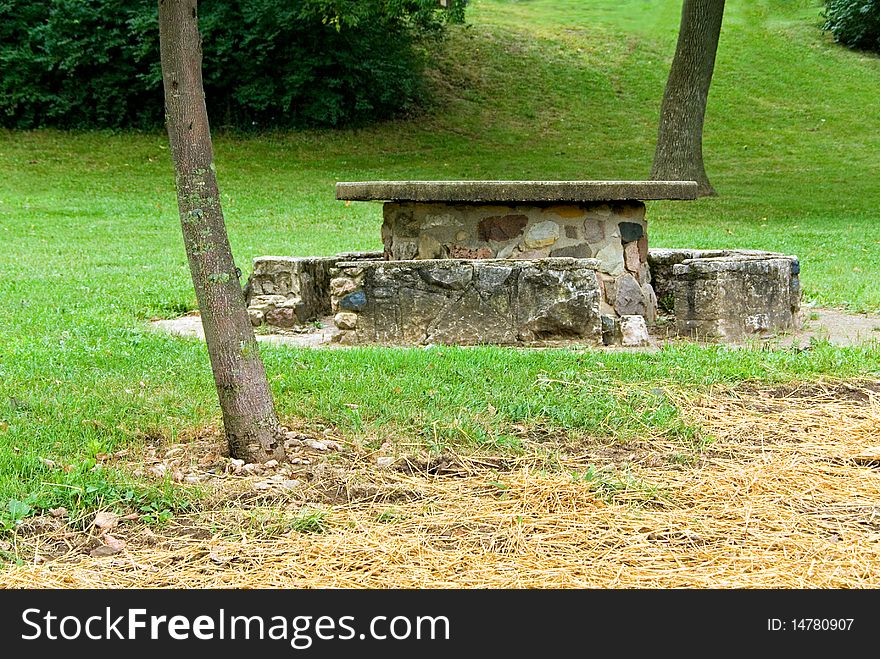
x=854 y=23
x=285 y=63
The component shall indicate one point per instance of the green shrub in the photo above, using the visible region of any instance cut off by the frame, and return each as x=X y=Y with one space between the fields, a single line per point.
x=286 y=63
x=854 y=23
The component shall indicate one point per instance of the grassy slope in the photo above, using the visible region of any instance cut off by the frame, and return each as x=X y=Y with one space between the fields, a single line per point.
x=540 y=89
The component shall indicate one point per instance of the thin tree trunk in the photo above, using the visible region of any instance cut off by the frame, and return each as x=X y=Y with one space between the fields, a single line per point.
x=249 y=417
x=679 y=153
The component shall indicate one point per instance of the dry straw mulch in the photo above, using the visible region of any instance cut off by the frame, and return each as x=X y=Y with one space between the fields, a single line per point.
x=787 y=494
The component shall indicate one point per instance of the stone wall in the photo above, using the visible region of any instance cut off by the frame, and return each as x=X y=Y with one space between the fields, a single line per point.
x=467 y=301
x=287 y=291
x=613 y=233
x=722 y=294
x=662 y=260
x=736 y=296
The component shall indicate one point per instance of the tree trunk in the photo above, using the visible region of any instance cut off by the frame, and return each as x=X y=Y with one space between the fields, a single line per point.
x=249 y=417
x=679 y=153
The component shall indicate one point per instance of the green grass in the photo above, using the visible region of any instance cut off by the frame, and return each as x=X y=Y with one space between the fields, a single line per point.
x=542 y=89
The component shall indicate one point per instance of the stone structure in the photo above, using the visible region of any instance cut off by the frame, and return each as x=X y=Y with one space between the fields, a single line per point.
x=727 y=293
x=528 y=220
x=721 y=294
x=736 y=296
x=287 y=291
x=464 y=301
x=468 y=262
x=662 y=260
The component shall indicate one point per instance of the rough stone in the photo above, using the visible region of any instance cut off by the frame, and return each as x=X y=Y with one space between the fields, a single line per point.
x=630 y=231
x=339 y=286
x=257 y=317
x=579 y=251
x=345 y=320
x=429 y=247
x=611 y=259
x=557 y=300
x=794 y=292
x=482 y=319
x=605 y=308
x=661 y=262
x=491 y=279
x=634 y=331
x=610 y=330
x=609 y=286
x=478 y=301
x=594 y=231
x=506 y=251
x=565 y=211
x=264 y=302
x=375 y=255
x=502 y=228
x=736 y=296
x=448 y=275
x=650 y=303
x=602 y=210
x=630 y=299
x=282 y=317
x=299 y=284
x=461 y=252
x=530 y=254
x=353 y=301
x=643 y=249
x=542 y=234
x=405 y=249
x=632 y=210
x=512 y=230
x=631 y=257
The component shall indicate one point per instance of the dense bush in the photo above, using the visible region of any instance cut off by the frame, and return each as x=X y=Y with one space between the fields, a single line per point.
x=854 y=23
x=289 y=63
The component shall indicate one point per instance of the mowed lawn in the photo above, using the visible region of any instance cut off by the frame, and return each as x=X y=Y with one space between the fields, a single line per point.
x=546 y=89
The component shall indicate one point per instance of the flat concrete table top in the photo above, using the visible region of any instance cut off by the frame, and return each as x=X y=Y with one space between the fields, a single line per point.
x=515 y=191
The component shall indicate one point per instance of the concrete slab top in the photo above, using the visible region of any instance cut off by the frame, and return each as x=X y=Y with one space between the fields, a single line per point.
x=514 y=191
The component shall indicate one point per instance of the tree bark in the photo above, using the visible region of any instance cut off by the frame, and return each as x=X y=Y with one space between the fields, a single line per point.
x=249 y=418
x=679 y=152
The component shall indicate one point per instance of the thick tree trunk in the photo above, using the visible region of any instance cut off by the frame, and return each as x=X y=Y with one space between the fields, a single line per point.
x=679 y=153
x=249 y=417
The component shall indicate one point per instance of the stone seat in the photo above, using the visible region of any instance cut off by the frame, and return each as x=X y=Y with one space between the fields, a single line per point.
x=510 y=192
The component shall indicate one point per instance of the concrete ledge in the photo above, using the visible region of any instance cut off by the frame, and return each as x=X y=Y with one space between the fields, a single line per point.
x=514 y=191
